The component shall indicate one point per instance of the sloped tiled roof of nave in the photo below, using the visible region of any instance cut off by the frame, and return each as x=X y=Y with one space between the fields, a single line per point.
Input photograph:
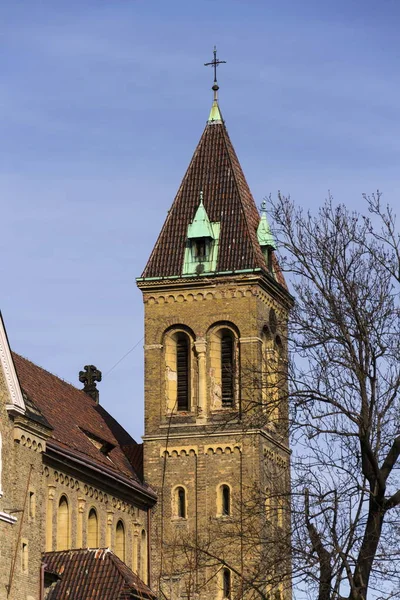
x=93 y=574
x=215 y=170
x=75 y=417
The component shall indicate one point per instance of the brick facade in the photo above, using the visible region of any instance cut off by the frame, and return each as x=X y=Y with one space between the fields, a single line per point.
x=209 y=445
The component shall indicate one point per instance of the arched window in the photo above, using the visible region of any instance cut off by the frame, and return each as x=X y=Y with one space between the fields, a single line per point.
x=92 y=530
x=120 y=540
x=227 y=368
x=179 y=503
x=226 y=584
x=63 y=525
x=143 y=556
x=179 y=366
x=182 y=371
x=223 y=366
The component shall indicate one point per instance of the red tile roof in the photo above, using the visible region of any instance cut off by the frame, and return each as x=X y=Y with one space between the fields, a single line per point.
x=93 y=574
x=215 y=170
x=75 y=417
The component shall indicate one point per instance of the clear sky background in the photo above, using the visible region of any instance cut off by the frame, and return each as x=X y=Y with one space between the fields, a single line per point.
x=102 y=103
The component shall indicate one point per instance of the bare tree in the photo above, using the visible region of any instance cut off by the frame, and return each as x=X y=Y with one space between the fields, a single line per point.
x=344 y=381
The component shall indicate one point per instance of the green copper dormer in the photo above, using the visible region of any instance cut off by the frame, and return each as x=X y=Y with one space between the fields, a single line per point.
x=201 y=249
x=265 y=237
x=200 y=227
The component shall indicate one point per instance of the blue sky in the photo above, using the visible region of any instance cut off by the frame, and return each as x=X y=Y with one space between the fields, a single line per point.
x=102 y=103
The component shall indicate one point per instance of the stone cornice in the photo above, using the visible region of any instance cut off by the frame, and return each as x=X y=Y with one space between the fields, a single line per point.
x=99 y=473
x=217 y=434
x=182 y=284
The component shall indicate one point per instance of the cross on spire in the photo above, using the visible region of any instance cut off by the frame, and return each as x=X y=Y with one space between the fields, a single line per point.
x=214 y=63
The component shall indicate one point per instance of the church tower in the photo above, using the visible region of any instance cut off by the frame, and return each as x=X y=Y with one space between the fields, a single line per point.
x=216 y=440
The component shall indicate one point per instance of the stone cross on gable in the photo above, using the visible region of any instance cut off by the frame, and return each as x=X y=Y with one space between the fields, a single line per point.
x=89 y=377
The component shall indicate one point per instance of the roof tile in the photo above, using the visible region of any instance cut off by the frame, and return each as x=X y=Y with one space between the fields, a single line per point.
x=93 y=574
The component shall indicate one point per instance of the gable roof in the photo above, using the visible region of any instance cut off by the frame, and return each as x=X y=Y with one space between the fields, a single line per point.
x=214 y=170
x=93 y=574
x=16 y=403
x=78 y=424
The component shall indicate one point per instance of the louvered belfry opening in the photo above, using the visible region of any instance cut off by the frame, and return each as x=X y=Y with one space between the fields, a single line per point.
x=227 y=368
x=182 y=371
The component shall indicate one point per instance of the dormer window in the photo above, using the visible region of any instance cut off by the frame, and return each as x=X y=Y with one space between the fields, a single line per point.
x=201 y=244
x=200 y=249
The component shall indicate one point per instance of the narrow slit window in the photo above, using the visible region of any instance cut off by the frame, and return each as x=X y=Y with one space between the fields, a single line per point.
x=226 y=583
x=226 y=500
x=32 y=505
x=181 y=501
x=120 y=541
x=143 y=556
x=24 y=557
x=93 y=536
x=182 y=368
x=227 y=369
x=63 y=525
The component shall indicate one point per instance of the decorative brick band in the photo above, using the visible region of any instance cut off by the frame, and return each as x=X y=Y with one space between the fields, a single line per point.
x=220 y=449
x=177 y=451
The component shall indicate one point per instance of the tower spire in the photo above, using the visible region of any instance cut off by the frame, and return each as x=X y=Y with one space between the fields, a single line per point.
x=215 y=115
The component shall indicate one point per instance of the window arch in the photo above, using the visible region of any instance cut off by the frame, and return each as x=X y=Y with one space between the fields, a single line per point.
x=224 y=500
x=92 y=529
x=178 y=344
x=120 y=540
x=143 y=556
x=63 y=524
x=223 y=360
x=179 y=503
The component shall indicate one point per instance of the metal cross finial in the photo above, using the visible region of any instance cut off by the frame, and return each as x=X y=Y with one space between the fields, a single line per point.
x=214 y=63
x=201 y=196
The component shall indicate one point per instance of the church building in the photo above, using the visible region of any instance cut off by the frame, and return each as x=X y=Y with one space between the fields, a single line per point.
x=216 y=417
x=200 y=510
